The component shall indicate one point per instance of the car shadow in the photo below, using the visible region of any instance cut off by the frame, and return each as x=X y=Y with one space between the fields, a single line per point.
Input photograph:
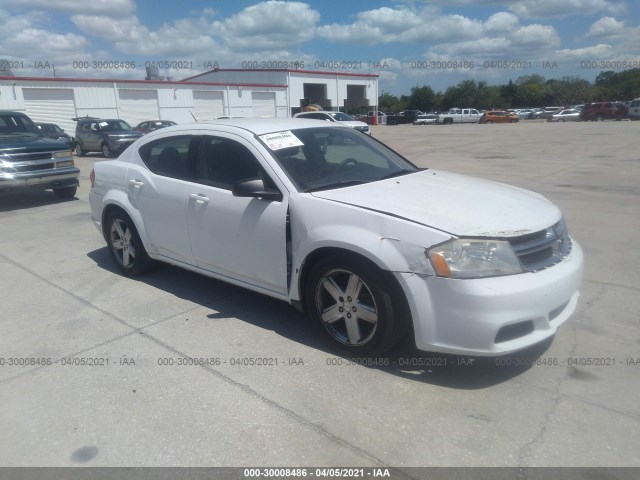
x=404 y=360
x=19 y=200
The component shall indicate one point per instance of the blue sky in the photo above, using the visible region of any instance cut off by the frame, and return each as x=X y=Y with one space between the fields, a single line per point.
x=406 y=42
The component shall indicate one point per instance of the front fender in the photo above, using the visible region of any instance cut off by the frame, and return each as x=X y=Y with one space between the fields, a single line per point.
x=391 y=243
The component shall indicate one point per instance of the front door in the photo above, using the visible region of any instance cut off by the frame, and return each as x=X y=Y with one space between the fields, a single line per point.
x=239 y=238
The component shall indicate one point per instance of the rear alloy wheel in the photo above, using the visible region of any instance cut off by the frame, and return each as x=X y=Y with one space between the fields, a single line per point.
x=125 y=245
x=349 y=301
x=66 y=192
x=106 y=151
x=489 y=121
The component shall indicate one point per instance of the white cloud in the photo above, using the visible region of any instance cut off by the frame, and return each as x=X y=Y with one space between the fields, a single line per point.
x=183 y=37
x=388 y=25
x=111 y=8
x=555 y=8
x=545 y=8
x=502 y=22
x=269 y=25
x=22 y=39
x=593 y=52
x=536 y=37
x=606 y=27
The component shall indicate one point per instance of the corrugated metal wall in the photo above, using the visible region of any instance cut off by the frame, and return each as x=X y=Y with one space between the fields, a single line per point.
x=174 y=101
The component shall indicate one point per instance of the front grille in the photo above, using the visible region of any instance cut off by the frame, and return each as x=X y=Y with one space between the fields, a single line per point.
x=27 y=157
x=33 y=167
x=540 y=250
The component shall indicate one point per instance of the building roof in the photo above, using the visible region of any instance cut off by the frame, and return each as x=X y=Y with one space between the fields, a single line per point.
x=282 y=70
x=181 y=83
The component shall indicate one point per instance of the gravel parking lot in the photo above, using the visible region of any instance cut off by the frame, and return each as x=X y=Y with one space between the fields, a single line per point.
x=121 y=388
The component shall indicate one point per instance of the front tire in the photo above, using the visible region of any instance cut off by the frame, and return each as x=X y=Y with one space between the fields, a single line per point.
x=79 y=151
x=106 y=151
x=125 y=246
x=352 y=304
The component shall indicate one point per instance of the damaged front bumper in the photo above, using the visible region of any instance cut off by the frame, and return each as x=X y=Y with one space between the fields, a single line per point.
x=492 y=316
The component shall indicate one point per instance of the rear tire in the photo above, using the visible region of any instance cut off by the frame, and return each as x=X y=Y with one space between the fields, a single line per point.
x=125 y=246
x=352 y=304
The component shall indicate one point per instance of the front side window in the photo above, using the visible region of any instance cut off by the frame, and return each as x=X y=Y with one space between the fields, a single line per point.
x=171 y=157
x=223 y=162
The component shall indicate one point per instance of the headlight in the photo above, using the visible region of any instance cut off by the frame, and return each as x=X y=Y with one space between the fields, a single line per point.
x=62 y=154
x=67 y=163
x=462 y=258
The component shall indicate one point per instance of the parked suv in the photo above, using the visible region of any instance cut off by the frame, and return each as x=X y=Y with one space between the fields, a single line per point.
x=604 y=110
x=109 y=136
x=28 y=159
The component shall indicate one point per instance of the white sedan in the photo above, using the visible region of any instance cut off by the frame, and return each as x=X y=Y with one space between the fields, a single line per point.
x=341 y=226
x=339 y=117
x=568 y=115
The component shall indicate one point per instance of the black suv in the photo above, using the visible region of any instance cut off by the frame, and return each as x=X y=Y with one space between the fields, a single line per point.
x=109 y=136
x=28 y=159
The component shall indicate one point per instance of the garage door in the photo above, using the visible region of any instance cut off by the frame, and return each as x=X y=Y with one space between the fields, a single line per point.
x=264 y=104
x=138 y=105
x=51 y=105
x=208 y=105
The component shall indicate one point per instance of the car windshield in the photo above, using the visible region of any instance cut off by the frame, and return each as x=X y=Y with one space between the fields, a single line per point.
x=335 y=157
x=114 y=126
x=51 y=128
x=341 y=117
x=11 y=125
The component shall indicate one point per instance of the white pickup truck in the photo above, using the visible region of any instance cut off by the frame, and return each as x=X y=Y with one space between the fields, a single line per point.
x=459 y=115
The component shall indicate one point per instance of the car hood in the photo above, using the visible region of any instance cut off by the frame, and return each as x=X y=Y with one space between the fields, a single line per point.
x=457 y=204
x=353 y=123
x=24 y=143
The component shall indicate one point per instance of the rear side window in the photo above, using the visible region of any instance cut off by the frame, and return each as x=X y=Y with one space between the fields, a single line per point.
x=171 y=156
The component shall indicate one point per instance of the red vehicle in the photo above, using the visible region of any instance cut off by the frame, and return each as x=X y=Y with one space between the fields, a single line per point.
x=604 y=111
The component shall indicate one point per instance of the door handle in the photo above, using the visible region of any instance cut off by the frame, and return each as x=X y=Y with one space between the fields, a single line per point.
x=199 y=198
x=136 y=183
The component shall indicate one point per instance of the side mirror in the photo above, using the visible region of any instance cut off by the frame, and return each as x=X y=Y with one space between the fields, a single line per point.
x=254 y=187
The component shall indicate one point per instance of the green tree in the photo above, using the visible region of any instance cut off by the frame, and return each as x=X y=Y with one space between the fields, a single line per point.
x=422 y=98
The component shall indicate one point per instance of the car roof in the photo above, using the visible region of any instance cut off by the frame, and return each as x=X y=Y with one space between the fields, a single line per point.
x=260 y=126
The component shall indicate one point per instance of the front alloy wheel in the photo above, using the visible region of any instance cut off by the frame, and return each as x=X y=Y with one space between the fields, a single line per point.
x=352 y=302
x=106 y=151
x=347 y=307
x=125 y=245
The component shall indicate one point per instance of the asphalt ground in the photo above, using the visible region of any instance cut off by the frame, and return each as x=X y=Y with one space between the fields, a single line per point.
x=115 y=394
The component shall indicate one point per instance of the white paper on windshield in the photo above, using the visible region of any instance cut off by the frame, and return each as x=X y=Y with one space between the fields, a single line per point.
x=280 y=140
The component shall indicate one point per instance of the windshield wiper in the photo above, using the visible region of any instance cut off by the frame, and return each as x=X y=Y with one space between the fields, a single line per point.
x=329 y=186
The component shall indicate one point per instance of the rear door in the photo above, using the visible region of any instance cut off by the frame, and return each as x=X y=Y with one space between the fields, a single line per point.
x=157 y=184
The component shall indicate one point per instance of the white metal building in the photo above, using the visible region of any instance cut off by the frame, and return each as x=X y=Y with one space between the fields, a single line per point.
x=237 y=93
